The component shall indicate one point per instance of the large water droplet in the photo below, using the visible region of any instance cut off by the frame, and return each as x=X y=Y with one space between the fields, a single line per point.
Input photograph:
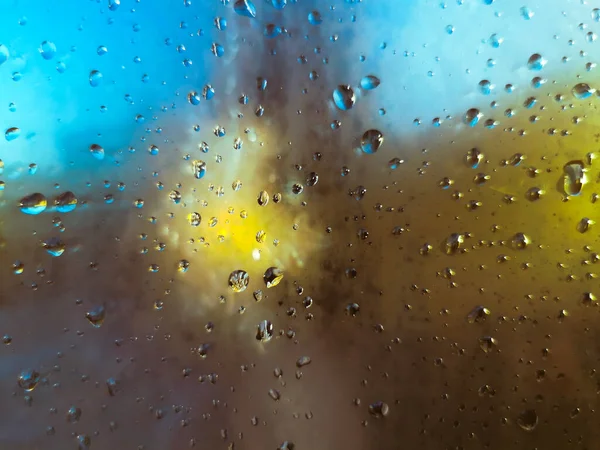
x=343 y=97
x=583 y=91
x=369 y=82
x=473 y=158
x=97 y=151
x=371 y=141
x=574 y=177
x=264 y=333
x=47 y=50
x=4 y=54
x=33 y=204
x=245 y=8
x=453 y=243
x=95 y=78
x=472 y=117
x=238 y=280
x=199 y=169
x=272 y=277
x=54 y=246
x=12 y=133
x=314 y=18
x=536 y=62
x=65 y=202
x=113 y=5
x=528 y=419
x=96 y=316
x=28 y=379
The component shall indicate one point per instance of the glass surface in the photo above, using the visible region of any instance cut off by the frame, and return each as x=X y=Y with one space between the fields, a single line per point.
x=299 y=224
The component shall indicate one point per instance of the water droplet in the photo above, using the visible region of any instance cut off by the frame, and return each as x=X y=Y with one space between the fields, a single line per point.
x=453 y=243
x=379 y=409
x=303 y=361
x=193 y=98
x=472 y=117
x=574 y=177
x=95 y=78
x=369 y=82
x=97 y=151
x=102 y=50
x=528 y=419
x=274 y=394
x=527 y=13
x=520 y=241
x=4 y=54
x=585 y=224
x=33 y=204
x=263 y=198
x=194 y=219
x=96 y=316
x=245 y=8
x=28 y=379
x=65 y=202
x=113 y=5
x=272 y=277
x=371 y=141
x=536 y=62
x=486 y=87
x=47 y=50
x=12 y=133
x=394 y=163
x=478 y=314
x=496 y=40
x=343 y=97
x=54 y=246
x=183 y=265
x=238 y=280
x=73 y=414
x=596 y=14
x=314 y=18
x=473 y=158
x=199 y=169
x=582 y=91
x=84 y=442
x=487 y=343
x=264 y=333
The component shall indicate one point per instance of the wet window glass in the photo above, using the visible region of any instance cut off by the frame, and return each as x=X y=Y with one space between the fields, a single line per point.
x=299 y=224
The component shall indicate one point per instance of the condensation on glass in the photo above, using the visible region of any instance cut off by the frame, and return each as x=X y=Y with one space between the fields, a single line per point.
x=294 y=224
